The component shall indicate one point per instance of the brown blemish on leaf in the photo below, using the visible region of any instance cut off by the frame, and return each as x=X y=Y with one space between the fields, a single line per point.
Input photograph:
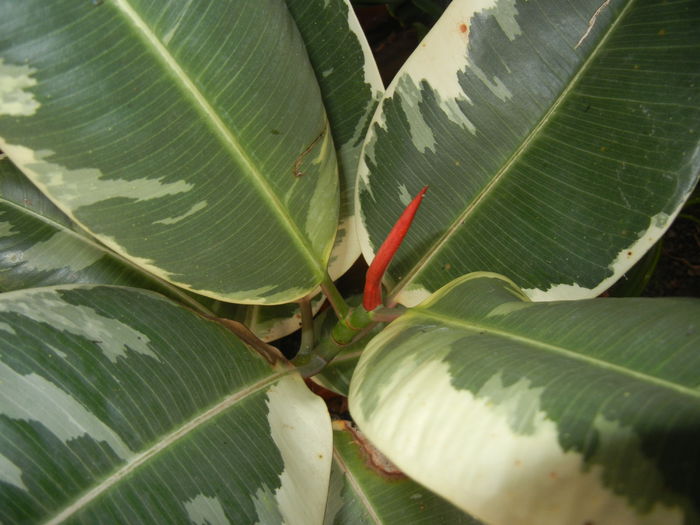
x=297 y=163
x=372 y=457
x=591 y=23
x=463 y=28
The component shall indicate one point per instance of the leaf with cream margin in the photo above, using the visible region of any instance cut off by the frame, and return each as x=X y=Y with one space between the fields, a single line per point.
x=41 y=246
x=366 y=488
x=112 y=395
x=269 y=323
x=172 y=132
x=559 y=141
x=554 y=412
x=351 y=88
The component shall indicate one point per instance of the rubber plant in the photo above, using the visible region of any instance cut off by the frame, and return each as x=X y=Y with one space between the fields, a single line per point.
x=182 y=183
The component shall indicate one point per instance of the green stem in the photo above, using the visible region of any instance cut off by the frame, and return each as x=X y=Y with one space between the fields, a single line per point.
x=308 y=334
x=387 y=315
x=340 y=307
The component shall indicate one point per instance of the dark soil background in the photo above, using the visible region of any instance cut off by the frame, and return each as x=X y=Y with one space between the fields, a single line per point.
x=671 y=269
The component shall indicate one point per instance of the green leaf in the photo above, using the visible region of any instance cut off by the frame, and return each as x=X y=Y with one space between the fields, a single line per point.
x=40 y=246
x=173 y=132
x=558 y=142
x=337 y=374
x=16 y=189
x=572 y=411
x=269 y=323
x=351 y=88
x=120 y=406
x=366 y=488
x=635 y=280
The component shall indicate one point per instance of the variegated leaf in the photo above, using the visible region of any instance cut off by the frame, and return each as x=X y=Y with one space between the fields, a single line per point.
x=351 y=88
x=41 y=246
x=366 y=488
x=337 y=374
x=119 y=406
x=558 y=412
x=190 y=137
x=559 y=140
x=269 y=323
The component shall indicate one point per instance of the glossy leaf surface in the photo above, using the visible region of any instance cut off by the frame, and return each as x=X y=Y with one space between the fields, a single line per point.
x=351 y=88
x=120 y=406
x=366 y=488
x=558 y=139
x=41 y=246
x=571 y=411
x=172 y=132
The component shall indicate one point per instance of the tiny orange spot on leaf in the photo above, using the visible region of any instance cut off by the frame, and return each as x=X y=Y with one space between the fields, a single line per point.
x=463 y=28
x=661 y=32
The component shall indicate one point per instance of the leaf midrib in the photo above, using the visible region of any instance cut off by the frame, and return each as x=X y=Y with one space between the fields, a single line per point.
x=142 y=458
x=357 y=487
x=256 y=176
x=559 y=350
x=438 y=244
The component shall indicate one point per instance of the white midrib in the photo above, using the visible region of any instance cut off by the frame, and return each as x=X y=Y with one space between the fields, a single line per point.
x=139 y=459
x=433 y=250
x=561 y=351
x=256 y=176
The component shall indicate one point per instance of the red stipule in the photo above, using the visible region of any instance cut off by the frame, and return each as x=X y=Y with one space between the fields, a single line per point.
x=372 y=296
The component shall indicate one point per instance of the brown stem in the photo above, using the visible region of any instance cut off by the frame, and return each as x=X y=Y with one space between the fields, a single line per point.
x=269 y=352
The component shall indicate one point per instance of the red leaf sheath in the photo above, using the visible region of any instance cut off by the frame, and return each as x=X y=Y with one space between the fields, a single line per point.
x=372 y=296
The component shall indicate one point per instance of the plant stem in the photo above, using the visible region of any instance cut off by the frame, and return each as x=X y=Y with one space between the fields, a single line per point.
x=340 y=307
x=387 y=315
x=269 y=352
x=308 y=334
